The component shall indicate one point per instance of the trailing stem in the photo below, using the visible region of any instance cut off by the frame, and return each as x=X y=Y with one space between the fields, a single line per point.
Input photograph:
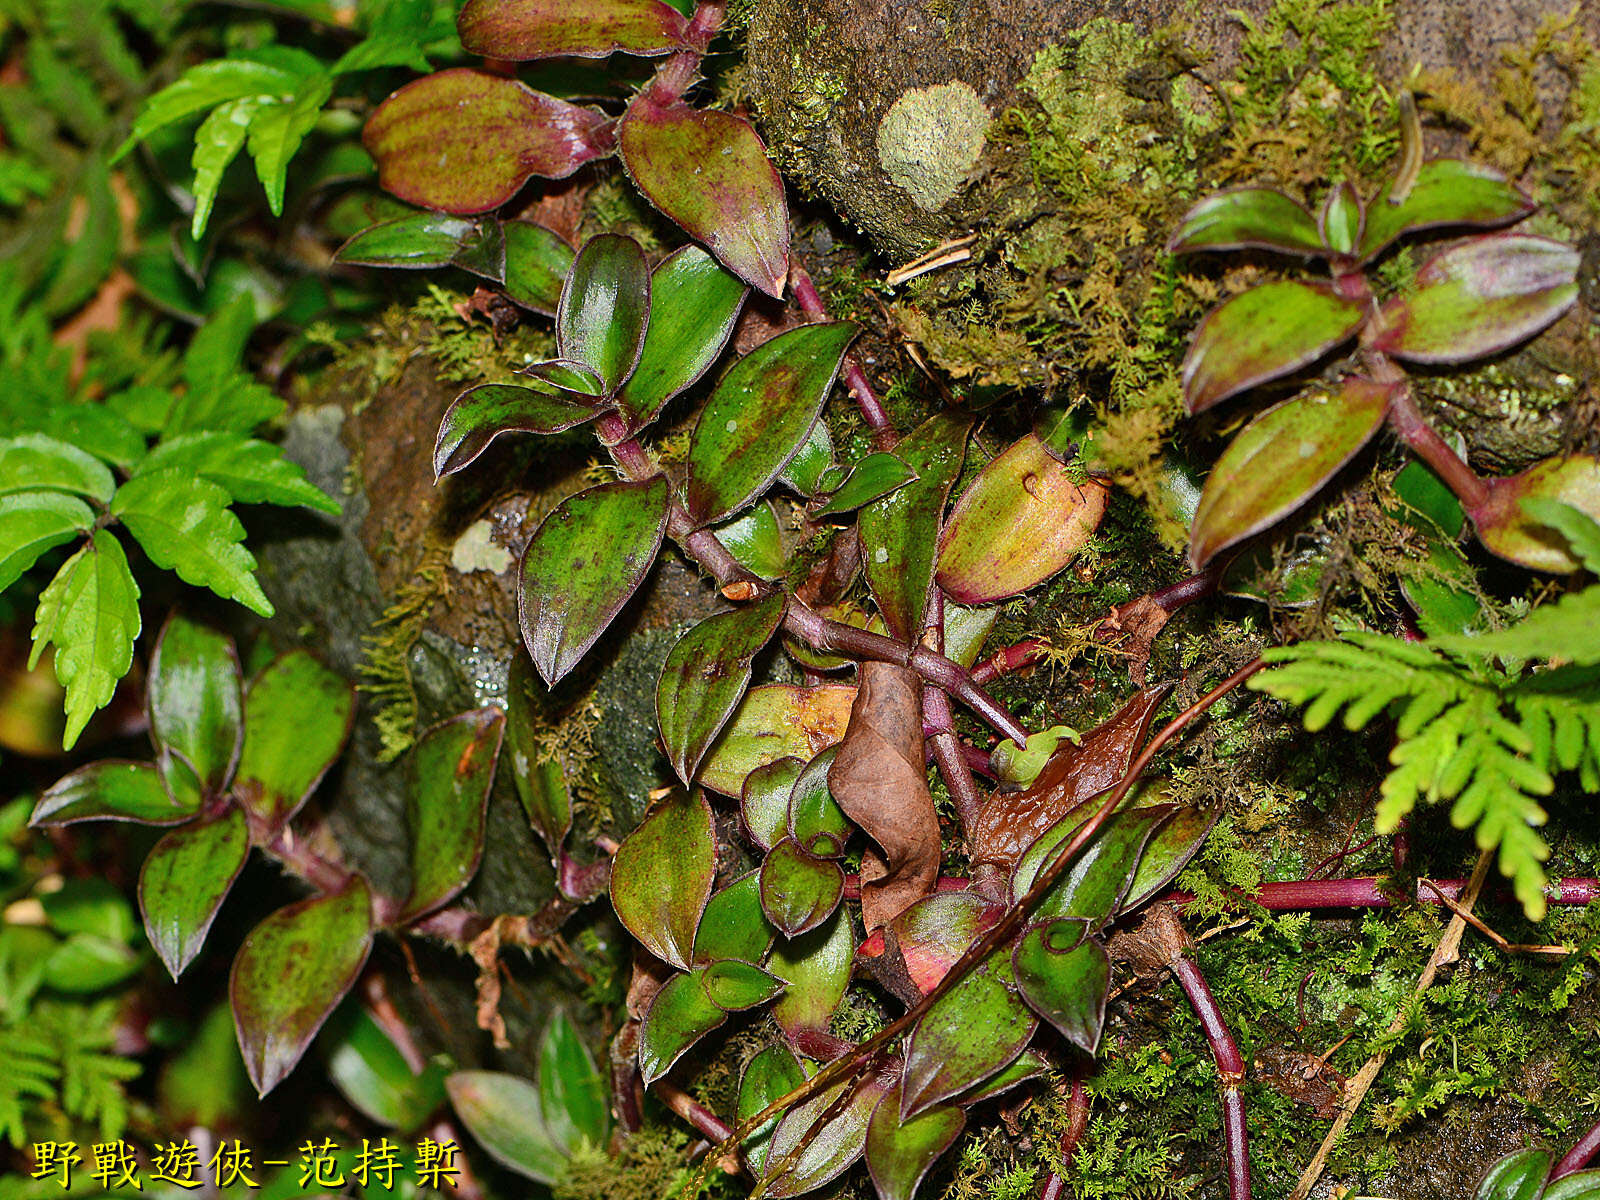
x=1582 y=1152
x=1230 y=1070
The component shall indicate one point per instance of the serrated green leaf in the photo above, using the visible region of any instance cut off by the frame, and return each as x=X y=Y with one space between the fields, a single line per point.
x=89 y=256
x=211 y=83
x=184 y=524
x=90 y=613
x=216 y=144
x=184 y=881
x=276 y=131
x=36 y=462
x=252 y=471
x=34 y=522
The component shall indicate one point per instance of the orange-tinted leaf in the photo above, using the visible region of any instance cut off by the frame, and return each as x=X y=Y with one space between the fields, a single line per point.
x=776 y=721
x=1507 y=529
x=523 y=29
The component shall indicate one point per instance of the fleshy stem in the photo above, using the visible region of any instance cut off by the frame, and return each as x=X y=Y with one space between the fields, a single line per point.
x=1408 y=423
x=678 y=73
x=1578 y=1157
x=1230 y=1069
x=872 y=410
x=1005 y=928
x=808 y=625
x=936 y=716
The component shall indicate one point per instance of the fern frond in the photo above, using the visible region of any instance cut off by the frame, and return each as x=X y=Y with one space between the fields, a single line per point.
x=30 y=1074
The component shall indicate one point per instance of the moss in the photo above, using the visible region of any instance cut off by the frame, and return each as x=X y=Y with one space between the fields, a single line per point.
x=651 y=1165
x=386 y=654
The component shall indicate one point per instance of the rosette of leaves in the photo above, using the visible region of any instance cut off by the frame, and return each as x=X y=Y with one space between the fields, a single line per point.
x=1472 y=300
x=235 y=762
x=464 y=141
x=166 y=465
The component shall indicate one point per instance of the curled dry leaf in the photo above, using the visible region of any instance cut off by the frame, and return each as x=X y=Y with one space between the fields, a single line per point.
x=1009 y=824
x=878 y=778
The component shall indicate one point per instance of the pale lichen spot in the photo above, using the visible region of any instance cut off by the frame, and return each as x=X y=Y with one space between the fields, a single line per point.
x=476 y=550
x=930 y=139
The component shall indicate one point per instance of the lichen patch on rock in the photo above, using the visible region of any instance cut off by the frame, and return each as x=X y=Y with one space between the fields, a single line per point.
x=930 y=139
x=476 y=550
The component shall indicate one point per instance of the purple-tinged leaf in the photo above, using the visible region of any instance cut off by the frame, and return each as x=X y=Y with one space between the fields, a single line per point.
x=968 y=1034
x=1517 y=1176
x=1481 y=298
x=1280 y=460
x=422 y=240
x=759 y=415
x=705 y=676
x=483 y=251
x=505 y=1115
x=481 y=414
x=815 y=821
x=753 y=538
x=935 y=931
x=901 y=1152
x=1508 y=530
x=733 y=925
x=1261 y=335
x=679 y=1016
x=661 y=876
x=1102 y=872
x=572 y=1093
x=816 y=966
x=1248 y=217
x=836 y=1145
x=1030 y=1064
x=297 y=717
x=110 y=790
x=579 y=569
x=465 y=141
x=537 y=262
x=798 y=892
x=694 y=303
x=772 y=722
x=605 y=305
x=709 y=172
x=900 y=532
x=567 y=374
x=1019 y=522
x=1341 y=219
x=874 y=477
x=540 y=780
x=771 y=1074
x=452 y=769
x=1167 y=852
x=290 y=973
x=195 y=699
x=734 y=986
x=1446 y=191
x=184 y=881
x=1065 y=977
x=520 y=30
x=764 y=801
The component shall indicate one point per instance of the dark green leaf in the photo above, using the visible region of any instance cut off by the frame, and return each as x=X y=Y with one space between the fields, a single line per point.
x=1168 y=851
x=1341 y=219
x=109 y=791
x=1425 y=493
x=526 y=29
x=1583 y=1185
x=569 y=374
x=1030 y=1064
x=812 y=463
x=772 y=1073
x=90 y=613
x=756 y=542
x=184 y=881
x=34 y=522
x=874 y=477
x=815 y=821
x=505 y=1115
x=1102 y=872
x=194 y=696
x=693 y=306
x=464 y=141
x=1281 y=459
x=1248 y=217
x=734 y=986
x=572 y=1093
x=250 y=470
x=764 y=801
x=772 y=722
x=967 y=1035
x=1065 y=977
x=705 y=676
x=733 y=925
x=1263 y=334
x=537 y=262
x=1517 y=1176
x=483 y=251
x=541 y=781
x=798 y=891
x=836 y=1145
x=481 y=414
x=760 y=414
x=709 y=172
x=289 y=974
x=452 y=768
x=1481 y=298
x=36 y=462
x=184 y=524
x=422 y=240
x=900 y=1153
x=679 y=1016
x=297 y=715
x=900 y=532
x=604 y=308
x=816 y=966
x=372 y=1074
x=1446 y=191
x=579 y=569
x=661 y=876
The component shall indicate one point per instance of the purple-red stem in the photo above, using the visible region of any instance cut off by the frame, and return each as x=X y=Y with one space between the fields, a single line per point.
x=1407 y=421
x=947 y=751
x=1574 y=1160
x=872 y=410
x=1230 y=1069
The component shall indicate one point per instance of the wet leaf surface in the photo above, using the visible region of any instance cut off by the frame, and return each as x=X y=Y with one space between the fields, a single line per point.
x=816 y=966
x=798 y=891
x=1518 y=1176
x=733 y=925
x=680 y=1015
x=481 y=414
x=605 y=306
x=195 y=699
x=111 y=790
x=452 y=769
x=537 y=262
x=773 y=1072
x=185 y=878
x=935 y=931
x=661 y=876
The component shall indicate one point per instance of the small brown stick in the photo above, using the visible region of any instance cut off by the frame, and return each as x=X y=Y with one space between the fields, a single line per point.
x=946 y=254
x=1356 y=1089
x=1504 y=946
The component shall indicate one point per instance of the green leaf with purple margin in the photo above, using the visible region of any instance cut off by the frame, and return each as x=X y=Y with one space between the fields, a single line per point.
x=733 y=925
x=1102 y=872
x=604 y=308
x=776 y=721
x=900 y=531
x=764 y=801
x=836 y=1145
x=1261 y=335
x=520 y=30
x=873 y=477
x=694 y=303
x=1446 y=191
x=1481 y=298
x=662 y=874
x=679 y=1016
x=1065 y=977
x=759 y=415
x=291 y=971
x=772 y=1073
x=110 y=790
x=420 y=241
x=753 y=538
x=705 y=676
x=815 y=821
x=537 y=262
x=709 y=172
x=1280 y=460
x=583 y=564
x=537 y=772
x=816 y=966
x=1168 y=851
x=297 y=715
x=900 y=1153
x=464 y=141
x=734 y=986
x=481 y=414
x=452 y=769
x=1505 y=527
x=1517 y=1176
x=195 y=698
x=798 y=891
x=1256 y=217
x=184 y=881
